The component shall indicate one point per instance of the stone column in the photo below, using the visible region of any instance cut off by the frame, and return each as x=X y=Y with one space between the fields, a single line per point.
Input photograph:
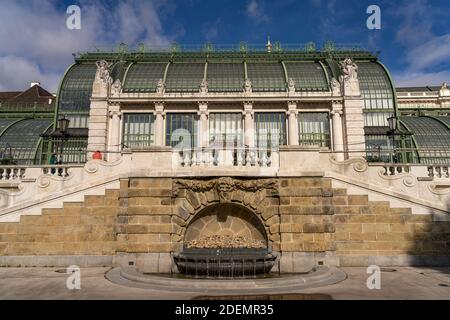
x=98 y=112
x=338 y=132
x=159 y=124
x=203 y=124
x=249 y=130
x=293 y=124
x=114 y=133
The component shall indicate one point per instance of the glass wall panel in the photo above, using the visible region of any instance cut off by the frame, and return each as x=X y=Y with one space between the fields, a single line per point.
x=225 y=129
x=181 y=130
x=270 y=129
x=138 y=130
x=314 y=129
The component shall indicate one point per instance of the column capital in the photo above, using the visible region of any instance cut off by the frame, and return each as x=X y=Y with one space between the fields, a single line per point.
x=337 y=112
x=203 y=108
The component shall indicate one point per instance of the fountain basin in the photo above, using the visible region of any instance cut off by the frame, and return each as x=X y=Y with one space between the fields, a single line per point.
x=225 y=262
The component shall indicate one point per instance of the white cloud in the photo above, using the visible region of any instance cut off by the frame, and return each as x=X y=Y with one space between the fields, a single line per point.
x=421 y=79
x=35 y=33
x=256 y=12
x=16 y=74
x=432 y=53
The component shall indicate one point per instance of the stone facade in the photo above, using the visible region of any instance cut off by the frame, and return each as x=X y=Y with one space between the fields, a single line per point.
x=305 y=219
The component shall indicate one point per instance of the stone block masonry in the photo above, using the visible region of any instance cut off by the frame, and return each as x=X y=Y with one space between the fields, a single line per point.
x=149 y=219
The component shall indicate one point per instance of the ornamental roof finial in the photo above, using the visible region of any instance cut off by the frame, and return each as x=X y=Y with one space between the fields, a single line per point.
x=269 y=45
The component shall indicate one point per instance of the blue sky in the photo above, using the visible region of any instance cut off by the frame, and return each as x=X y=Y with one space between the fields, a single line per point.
x=36 y=45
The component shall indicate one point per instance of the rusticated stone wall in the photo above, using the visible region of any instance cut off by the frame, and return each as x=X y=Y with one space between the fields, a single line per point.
x=305 y=219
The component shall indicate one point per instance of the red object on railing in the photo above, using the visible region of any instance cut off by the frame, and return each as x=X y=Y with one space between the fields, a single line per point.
x=97 y=155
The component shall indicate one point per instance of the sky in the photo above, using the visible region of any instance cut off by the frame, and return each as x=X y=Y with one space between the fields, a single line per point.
x=36 y=45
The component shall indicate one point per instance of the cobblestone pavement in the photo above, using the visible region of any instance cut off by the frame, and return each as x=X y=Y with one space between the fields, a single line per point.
x=50 y=283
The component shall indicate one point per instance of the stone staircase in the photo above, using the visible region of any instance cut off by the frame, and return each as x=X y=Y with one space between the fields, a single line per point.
x=315 y=222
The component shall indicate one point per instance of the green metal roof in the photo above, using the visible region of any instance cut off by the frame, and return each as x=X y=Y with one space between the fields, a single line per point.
x=76 y=89
x=307 y=76
x=377 y=92
x=225 y=77
x=266 y=76
x=22 y=139
x=432 y=138
x=184 y=77
x=143 y=77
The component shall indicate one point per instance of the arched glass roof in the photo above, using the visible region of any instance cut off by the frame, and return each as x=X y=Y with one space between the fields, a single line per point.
x=21 y=140
x=432 y=138
x=445 y=119
x=5 y=123
x=184 y=77
x=308 y=76
x=266 y=76
x=377 y=93
x=143 y=77
x=225 y=77
x=76 y=88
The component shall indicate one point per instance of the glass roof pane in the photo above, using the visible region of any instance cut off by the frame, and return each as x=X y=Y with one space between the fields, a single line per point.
x=376 y=89
x=446 y=119
x=76 y=89
x=266 y=76
x=5 y=123
x=432 y=137
x=308 y=76
x=225 y=77
x=143 y=77
x=184 y=77
x=22 y=139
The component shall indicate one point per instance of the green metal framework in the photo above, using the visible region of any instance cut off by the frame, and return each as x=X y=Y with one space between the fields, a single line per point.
x=266 y=77
x=181 y=130
x=308 y=76
x=225 y=77
x=225 y=129
x=377 y=93
x=184 y=77
x=138 y=130
x=143 y=77
x=21 y=140
x=74 y=149
x=431 y=138
x=314 y=129
x=270 y=128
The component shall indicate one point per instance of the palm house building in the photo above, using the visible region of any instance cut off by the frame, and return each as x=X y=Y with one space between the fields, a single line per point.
x=312 y=155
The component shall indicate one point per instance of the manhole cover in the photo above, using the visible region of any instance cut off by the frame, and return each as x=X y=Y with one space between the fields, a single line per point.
x=388 y=270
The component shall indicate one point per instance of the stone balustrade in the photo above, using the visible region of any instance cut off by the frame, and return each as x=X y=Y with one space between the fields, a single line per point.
x=23 y=187
x=438 y=172
x=231 y=157
x=12 y=173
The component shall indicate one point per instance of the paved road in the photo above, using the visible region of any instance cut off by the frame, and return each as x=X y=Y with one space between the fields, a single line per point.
x=48 y=283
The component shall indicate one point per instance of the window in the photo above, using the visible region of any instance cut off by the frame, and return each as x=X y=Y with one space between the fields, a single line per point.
x=270 y=129
x=138 y=130
x=314 y=129
x=181 y=130
x=225 y=129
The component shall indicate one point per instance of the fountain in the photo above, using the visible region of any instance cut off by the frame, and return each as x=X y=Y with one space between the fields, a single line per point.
x=225 y=257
